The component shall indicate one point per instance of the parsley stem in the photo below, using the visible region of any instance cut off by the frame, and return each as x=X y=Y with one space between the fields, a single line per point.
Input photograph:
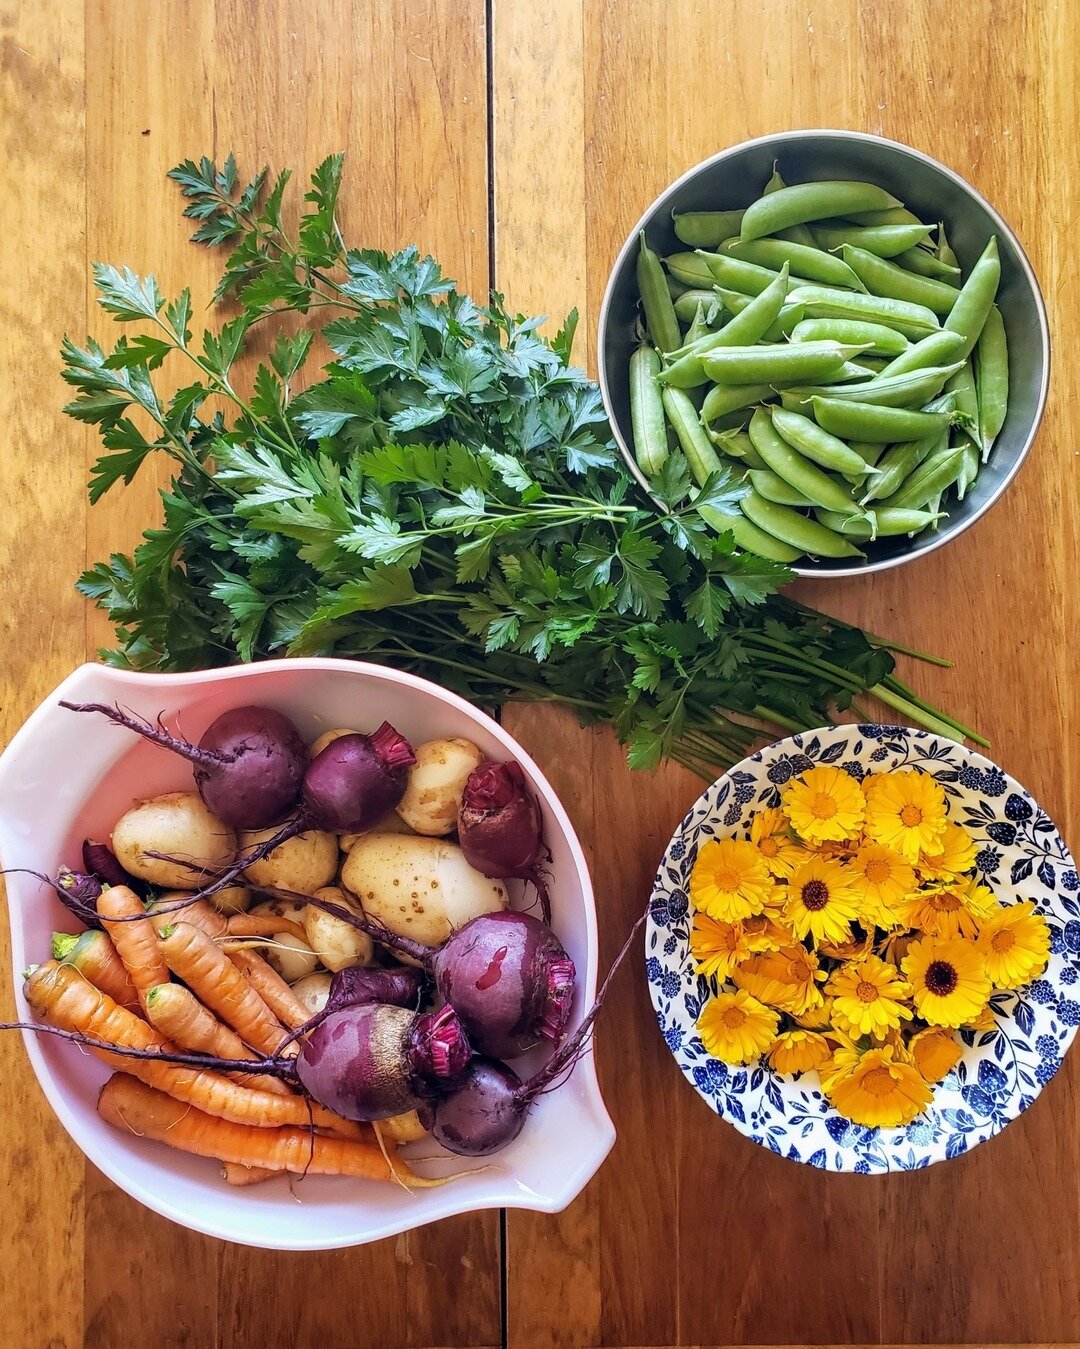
x=897 y=686
x=771 y=714
x=928 y=721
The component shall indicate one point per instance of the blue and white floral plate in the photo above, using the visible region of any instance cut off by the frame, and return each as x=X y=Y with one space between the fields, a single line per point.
x=1021 y=857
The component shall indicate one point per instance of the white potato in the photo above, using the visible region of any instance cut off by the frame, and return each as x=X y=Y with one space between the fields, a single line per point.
x=404 y=1128
x=390 y=823
x=303 y=863
x=292 y=958
x=313 y=991
x=233 y=899
x=418 y=887
x=327 y=738
x=335 y=942
x=179 y=824
x=436 y=780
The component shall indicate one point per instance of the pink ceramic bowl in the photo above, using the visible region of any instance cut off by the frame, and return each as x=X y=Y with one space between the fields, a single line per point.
x=66 y=776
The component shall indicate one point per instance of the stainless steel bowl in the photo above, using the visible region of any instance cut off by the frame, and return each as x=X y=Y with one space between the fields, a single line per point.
x=734 y=177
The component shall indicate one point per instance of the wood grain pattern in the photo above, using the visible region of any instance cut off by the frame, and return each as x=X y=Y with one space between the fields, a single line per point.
x=690 y=1235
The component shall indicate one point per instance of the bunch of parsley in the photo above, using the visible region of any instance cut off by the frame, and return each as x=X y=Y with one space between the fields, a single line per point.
x=445 y=498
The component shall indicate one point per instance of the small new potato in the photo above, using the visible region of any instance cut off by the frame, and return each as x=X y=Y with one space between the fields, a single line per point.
x=391 y=823
x=327 y=738
x=292 y=958
x=180 y=825
x=335 y=942
x=436 y=781
x=313 y=991
x=418 y=887
x=304 y=863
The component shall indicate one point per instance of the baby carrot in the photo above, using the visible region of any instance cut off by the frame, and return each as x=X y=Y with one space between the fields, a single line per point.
x=140 y=1110
x=263 y=925
x=236 y=1173
x=93 y=954
x=177 y=1013
x=135 y=941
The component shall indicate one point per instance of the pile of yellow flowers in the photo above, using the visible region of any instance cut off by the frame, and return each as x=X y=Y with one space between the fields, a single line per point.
x=850 y=934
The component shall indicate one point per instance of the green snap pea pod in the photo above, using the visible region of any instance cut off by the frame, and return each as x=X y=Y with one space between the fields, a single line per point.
x=913 y=320
x=891 y=215
x=687 y=303
x=705 y=229
x=698 y=327
x=724 y=398
x=816 y=443
x=795 y=234
x=804 y=202
x=797 y=470
x=874 y=336
x=900 y=460
x=969 y=469
x=777 y=364
x=885 y=278
x=881 y=523
x=745 y=329
x=808 y=536
x=809 y=262
x=992 y=369
x=923 y=262
x=875 y=364
x=656 y=300
x=975 y=297
x=937 y=473
x=962 y=383
x=789 y=316
x=690 y=269
x=772 y=487
x=647 y=412
x=738 y=445
x=675 y=288
x=944 y=250
x=886 y=241
x=912 y=390
x=682 y=416
x=868 y=421
x=749 y=536
x=934 y=507
x=746 y=277
x=938 y=348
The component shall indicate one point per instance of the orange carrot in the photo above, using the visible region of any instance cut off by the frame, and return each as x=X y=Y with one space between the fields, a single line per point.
x=272 y=988
x=263 y=925
x=138 y=1109
x=61 y=996
x=93 y=954
x=214 y=979
x=135 y=941
x=198 y=914
x=177 y=1013
x=236 y=1173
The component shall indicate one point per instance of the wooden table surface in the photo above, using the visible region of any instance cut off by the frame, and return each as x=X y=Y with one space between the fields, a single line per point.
x=518 y=140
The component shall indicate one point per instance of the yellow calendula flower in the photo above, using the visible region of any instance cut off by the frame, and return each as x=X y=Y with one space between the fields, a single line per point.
x=716 y=947
x=821 y=901
x=949 y=983
x=766 y=932
x=843 y=849
x=787 y=979
x=883 y=878
x=799 y=1051
x=869 y=997
x=880 y=1090
x=818 y=1017
x=985 y=1020
x=953 y=855
x=771 y=833
x=935 y=1053
x=736 y=1027
x=730 y=880
x=1015 y=944
x=906 y=812
x=844 y=1061
x=948 y=908
x=824 y=804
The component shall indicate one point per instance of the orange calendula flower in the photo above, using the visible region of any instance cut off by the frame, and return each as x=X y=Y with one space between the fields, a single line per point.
x=818 y=1017
x=907 y=812
x=854 y=949
x=824 y=804
x=787 y=979
x=730 y=880
x=948 y=909
x=954 y=857
x=799 y=1051
x=869 y=997
x=880 y=1090
x=949 y=984
x=1015 y=944
x=766 y=931
x=736 y=1027
x=844 y=1061
x=821 y=901
x=771 y=832
x=935 y=1053
x=716 y=947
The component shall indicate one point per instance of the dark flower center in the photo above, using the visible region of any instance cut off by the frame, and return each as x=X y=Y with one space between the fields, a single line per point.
x=940 y=978
x=815 y=895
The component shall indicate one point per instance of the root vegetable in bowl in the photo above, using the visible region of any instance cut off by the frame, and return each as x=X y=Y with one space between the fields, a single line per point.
x=51 y=799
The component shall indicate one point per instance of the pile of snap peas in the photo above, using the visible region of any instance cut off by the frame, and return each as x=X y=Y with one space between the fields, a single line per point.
x=825 y=343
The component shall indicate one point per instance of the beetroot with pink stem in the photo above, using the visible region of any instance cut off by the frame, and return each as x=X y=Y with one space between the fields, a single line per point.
x=500 y=828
